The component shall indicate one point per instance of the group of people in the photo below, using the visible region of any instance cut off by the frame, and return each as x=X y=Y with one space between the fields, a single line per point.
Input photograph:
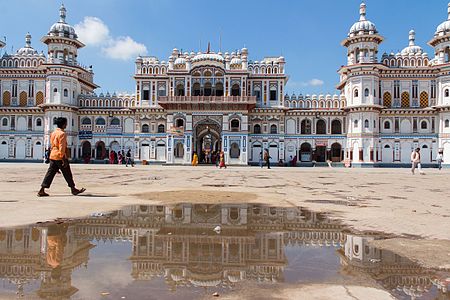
x=121 y=158
x=215 y=157
x=416 y=163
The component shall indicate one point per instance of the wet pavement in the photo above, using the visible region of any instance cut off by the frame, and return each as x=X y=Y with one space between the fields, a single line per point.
x=189 y=251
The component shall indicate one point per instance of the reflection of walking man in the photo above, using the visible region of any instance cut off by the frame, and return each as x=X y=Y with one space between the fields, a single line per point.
x=415 y=160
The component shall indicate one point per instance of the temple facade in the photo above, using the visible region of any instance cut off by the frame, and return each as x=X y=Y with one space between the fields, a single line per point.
x=207 y=102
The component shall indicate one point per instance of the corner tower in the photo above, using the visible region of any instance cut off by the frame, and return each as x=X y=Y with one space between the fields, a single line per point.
x=65 y=79
x=360 y=84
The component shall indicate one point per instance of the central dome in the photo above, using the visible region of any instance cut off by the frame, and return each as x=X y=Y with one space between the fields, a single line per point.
x=208 y=56
x=363 y=26
x=27 y=49
x=412 y=47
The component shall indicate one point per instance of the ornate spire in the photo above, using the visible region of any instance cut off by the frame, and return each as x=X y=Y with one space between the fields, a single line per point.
x=28 y=40
x=412 y=38
x=362 y=12
x=62 y=14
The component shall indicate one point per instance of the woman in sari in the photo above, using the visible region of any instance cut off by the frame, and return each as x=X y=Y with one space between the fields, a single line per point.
x=195 y=160
x=222 y=161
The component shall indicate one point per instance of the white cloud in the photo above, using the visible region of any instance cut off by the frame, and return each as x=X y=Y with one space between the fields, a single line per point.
x=94 y=32
x=315 y=82
x=124 y=48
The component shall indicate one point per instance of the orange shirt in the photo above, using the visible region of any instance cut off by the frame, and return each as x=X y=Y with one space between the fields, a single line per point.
x=58 y=140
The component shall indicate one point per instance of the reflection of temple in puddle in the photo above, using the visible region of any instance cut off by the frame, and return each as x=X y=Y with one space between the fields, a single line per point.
x=195 y=245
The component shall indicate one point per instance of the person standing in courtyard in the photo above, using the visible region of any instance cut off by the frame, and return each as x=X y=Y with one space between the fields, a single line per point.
x=195 y=160
x=128 y=159
x=440 y=159
x=267 y=158
x=261 y=159
x=59 y=160
x=222 y=161
x=415 y=160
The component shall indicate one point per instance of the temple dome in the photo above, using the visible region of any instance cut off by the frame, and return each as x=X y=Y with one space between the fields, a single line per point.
x=61 y=28
x=27 y=49
x=412 y=47
x=362 y=26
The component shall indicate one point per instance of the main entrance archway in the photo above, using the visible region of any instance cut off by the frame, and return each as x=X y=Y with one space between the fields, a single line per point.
x=207 y=140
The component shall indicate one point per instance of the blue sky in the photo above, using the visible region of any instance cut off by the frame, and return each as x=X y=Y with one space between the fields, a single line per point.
x=307 y=33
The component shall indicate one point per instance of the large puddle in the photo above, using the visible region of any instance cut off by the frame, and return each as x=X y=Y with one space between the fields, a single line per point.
x=190 y=251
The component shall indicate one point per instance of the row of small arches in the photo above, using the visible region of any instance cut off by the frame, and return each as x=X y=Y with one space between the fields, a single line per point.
x=315 y=104
x=20 y=62
x=106 y=103
x=264 y=70
x=153 y=70
x=406 y=62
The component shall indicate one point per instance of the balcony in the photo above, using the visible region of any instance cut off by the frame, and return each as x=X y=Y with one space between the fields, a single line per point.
x=207 y=102
x=114 y=129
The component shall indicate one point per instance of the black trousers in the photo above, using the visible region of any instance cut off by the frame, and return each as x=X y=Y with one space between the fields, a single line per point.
x=53 y=168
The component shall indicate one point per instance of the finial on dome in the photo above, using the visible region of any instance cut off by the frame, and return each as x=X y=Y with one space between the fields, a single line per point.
x=362 y=11
x=62 y=14
x=412 y=38
x=448 y=11
x=28 y=40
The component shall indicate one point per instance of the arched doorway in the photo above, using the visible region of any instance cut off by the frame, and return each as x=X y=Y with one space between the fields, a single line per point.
x=100 y=152
x=305 y=152
x=38 y=151
x=336 y=152
x=207 y=141
x=336 y=127
x=86 y=150
x=387 y=154
x=161 y=151
x=178 y=150
x=4 y=150
x=234 y=150
x=321 y=127
x=20 y=149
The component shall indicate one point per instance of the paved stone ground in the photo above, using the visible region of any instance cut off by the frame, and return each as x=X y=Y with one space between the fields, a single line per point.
x=387 y=200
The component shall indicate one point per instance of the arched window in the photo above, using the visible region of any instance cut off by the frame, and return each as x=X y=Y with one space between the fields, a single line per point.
x=5 y=122
x=355 y=123
x=235 y=125
x=235 y=90
x=145 y=128
x=86 y=121
x=423 y=125
x=219 y=89
x=100 y=121
x=305 y=127
x=55 y=90
x=257 y=129
x=366 y=93
x=366 y=124
x=447 y=123
x=446 y=93
x=161 y=128
x=179 y=122
x=115 y=122
x=321 y=127
x=336 y=127
x=66 y=93
x=234 y=150
x=273 y=129
x=387 y=125
x=180 y=90
x=38 y=122
x=356 y=93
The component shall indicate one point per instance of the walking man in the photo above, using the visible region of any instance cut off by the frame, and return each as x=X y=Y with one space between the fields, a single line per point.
x=415 y=160
x=267 y=158
x=261 y=159
x=58 y=160
x=128 y=159
x=440 y=159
